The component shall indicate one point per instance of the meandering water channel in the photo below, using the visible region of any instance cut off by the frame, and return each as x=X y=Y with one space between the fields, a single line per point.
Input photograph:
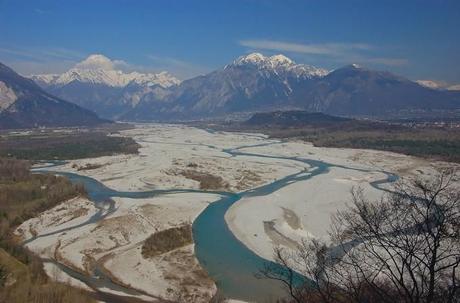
x=228 y=261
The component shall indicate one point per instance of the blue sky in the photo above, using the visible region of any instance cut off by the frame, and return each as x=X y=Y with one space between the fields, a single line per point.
x=418 y=39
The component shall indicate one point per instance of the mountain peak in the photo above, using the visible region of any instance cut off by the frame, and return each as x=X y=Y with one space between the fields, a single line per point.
x=278 y=64
x=253 y=58
x=97 y=61
x=99 y=69
x=354 y=68
x=280 y=59
x=259 y=59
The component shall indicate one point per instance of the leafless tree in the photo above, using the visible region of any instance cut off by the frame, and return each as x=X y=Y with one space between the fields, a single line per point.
x=402 y=248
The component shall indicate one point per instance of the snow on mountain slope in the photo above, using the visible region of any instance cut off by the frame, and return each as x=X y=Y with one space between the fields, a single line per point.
x=98 y=69
x=438 y=85
x=431 y=84
x=44 y=79
x=258 y=83
x=163 y=79
x=23 y=104
x=250 y=83
x=279 y=64
x=7 y=96
x=454 y=87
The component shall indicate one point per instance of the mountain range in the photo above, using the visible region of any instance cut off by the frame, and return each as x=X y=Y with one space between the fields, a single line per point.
x=23 y=104
x=97 y=84
x=251 y=83
x=256 y=83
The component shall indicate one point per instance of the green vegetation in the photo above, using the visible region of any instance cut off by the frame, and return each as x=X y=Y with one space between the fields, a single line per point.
x=28 y=283
x=416 y=137
x=22 y=196
x=64 y=145
x=167 y=240
x=441 y=144
x=207 y=181
x=87 y=166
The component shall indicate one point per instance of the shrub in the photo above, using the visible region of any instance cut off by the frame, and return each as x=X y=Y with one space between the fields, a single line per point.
x=167 y=240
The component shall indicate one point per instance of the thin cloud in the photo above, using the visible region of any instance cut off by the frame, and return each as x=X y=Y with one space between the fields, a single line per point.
x=34 y=61
x=331 y=49
x=100 y=61
x=182 y=69
x=385 y=61
x=42 y=55
x=62 y=53
x=363 y=53
x=168 y=60
x=57 y=60
x=40 y=11
x=19 y=53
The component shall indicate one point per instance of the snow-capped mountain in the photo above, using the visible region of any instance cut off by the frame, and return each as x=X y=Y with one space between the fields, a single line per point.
x=250 y=83
x=256 y=83
x=98 y=83
x=279 y=64
x=44 y=79
x=98 y=69
x=113 y=78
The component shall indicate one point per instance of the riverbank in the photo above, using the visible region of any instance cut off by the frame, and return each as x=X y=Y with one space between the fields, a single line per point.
x=23 y=196
x=142 y=189
x=303 y=210
x=169 y=154
x=184 y=175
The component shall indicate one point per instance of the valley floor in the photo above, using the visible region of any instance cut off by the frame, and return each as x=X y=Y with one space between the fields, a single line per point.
x=181 y=157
